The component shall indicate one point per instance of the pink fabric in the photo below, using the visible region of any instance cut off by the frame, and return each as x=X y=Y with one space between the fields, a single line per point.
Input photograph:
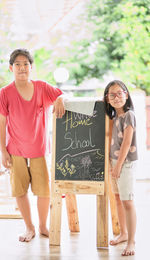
x=26 y=120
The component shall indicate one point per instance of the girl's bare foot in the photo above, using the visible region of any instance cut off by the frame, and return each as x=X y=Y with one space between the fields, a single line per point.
x=129 y=250
x=44 y=231
x=121 y=238
x=27 y=236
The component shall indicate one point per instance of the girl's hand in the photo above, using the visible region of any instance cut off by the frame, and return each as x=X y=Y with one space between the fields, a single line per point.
x=116 y=171
x=59 y=107
x=110 y=170
x=6 y=159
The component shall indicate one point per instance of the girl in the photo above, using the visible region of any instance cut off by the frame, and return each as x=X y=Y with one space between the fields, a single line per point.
x=123 y=154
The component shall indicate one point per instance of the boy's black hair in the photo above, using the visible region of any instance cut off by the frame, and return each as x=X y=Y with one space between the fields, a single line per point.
x=17 y=52
x=110 y=111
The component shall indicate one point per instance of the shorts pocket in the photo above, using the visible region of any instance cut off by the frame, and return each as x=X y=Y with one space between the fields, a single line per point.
x=128 y=165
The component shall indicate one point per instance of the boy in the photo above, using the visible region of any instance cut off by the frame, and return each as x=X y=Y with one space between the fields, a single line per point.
x=23 y=106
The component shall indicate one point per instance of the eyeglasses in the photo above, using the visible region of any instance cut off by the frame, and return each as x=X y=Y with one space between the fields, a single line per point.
x=119 y=94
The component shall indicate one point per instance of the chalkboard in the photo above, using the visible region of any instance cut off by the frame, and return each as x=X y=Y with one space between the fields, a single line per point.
x=80 y=146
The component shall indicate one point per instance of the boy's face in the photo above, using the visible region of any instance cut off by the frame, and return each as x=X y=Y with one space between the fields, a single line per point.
x=21 y=68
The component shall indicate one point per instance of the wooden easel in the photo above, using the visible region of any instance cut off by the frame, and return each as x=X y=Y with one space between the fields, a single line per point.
x=70 y=189
x=113 y=208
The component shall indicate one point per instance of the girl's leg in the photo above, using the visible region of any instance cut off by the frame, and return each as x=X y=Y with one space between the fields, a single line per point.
x=43 y=205
x=24 y=207
x=122 y=222
x=131 y=226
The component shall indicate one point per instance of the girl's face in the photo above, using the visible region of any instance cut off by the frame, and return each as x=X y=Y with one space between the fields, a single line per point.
x=117 y=98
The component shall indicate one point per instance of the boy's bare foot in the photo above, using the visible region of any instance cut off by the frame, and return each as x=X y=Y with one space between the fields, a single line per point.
x=129 y=250
x=44 y=231
x=27 y=236
x=121 y=238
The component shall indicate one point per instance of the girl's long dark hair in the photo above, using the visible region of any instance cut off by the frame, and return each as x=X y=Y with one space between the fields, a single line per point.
x=110 y=111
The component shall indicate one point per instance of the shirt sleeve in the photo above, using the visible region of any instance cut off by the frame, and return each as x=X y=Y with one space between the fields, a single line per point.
x=3 y=103
x=129 y=120
x=50 y=94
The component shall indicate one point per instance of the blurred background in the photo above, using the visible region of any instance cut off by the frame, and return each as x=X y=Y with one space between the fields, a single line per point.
x=80 y=45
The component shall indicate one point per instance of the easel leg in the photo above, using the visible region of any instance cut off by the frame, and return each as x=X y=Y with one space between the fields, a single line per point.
x=102 y=221
x=114 y=214
x=72 y=212
x=55 y=219
x=113 y=208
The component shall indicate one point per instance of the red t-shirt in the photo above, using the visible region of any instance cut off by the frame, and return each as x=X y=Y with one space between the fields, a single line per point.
x=26 y=120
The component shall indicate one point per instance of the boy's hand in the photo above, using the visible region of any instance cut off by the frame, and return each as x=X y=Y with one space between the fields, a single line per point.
x=6 y=159
x=59 y=107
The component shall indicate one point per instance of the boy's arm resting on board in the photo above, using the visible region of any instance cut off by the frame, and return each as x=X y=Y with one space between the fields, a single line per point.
x=58 y=107
x=6 y=159
x=124 y=149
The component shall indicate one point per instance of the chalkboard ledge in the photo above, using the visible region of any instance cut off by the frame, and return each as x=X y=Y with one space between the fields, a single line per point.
x=79 y=187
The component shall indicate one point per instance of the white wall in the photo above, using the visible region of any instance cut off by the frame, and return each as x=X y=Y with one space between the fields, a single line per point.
x=143 y=168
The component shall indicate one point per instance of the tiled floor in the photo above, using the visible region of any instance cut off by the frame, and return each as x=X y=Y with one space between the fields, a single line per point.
x=79 y=246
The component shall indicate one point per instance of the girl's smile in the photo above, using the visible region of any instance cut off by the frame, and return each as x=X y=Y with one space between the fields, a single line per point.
x=117 y=98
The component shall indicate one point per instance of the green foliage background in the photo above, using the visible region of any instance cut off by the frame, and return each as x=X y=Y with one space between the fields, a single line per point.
x=117 y=39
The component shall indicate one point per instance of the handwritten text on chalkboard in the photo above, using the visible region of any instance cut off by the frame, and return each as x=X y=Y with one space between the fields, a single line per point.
x=80 y=146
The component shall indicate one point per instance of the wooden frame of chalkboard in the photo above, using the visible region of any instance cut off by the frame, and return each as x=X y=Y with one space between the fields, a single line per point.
x=80 y=152
x=96 y=183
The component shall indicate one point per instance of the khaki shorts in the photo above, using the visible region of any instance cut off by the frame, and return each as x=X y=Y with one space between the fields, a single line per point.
x=124 y=186
x=22 y=174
